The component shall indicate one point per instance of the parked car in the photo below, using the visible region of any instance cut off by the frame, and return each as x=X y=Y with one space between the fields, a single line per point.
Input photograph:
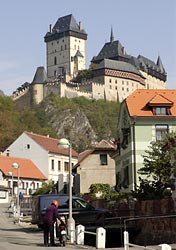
x=83 y=212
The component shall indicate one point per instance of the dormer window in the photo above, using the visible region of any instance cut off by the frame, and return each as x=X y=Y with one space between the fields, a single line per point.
x=161 y=111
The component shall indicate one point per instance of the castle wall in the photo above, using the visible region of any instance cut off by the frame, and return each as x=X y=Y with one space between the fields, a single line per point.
x=153 y=82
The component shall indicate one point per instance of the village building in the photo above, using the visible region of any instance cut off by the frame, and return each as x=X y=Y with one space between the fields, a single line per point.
x=145 y=117
x=29 y=176
x=44 y=151
x=95 y=166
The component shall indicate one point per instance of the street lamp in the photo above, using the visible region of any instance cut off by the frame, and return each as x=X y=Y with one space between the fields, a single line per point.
x=17 y=166
x=64 y=144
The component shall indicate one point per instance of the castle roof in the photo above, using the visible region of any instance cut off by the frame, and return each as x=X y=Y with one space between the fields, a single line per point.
x=64 y=26
x=40 y=76
x=118 y=65
x=111 y=50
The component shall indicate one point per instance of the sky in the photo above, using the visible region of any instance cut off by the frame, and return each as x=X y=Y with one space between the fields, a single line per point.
x=143 y=27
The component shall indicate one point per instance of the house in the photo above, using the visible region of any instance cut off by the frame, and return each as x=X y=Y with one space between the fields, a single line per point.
x=145 y=117
x=29 y=176
x=45 y=153
x=95 y=166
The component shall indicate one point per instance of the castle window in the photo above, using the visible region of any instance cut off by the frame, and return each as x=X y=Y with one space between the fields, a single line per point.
x=57 y=41
x=28 y=146
x=115 y=81
x=122 y=82
x=61 y=48
x=116 y=87
x=55 y=60
x=63 y=40
x=65 y=46
x=109 y=80
x=110 y=86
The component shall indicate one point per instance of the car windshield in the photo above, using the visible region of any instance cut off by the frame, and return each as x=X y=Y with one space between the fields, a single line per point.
x=77 y=203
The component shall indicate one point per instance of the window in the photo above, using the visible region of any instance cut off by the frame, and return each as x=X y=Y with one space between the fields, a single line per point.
x=66 y=166
x=161 y=111
x=103 y=159
x=28 y=146
x=161 y=131
x=55 y=60
x=52 y=164
x=65 y=46
x=59 y=165
x=110 y=80
x=126 y=177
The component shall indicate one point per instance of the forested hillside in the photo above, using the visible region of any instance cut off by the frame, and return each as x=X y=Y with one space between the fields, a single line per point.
x=81 y=120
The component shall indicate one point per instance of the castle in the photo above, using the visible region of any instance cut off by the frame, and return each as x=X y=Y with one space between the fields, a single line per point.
x=115 y=74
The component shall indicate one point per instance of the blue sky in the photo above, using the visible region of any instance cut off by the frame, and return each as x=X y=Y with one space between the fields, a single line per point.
x=143 y=27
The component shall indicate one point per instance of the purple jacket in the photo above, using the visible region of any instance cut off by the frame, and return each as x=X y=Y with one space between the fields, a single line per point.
x=51 y=215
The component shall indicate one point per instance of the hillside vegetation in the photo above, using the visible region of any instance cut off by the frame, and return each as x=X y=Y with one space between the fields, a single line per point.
x=81 y=120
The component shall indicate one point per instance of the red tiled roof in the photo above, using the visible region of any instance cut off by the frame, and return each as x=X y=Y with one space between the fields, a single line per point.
x=50 y=144
x=137 y=102
x=27 y=168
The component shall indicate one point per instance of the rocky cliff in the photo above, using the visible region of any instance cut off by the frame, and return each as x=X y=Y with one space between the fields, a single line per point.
x=72 y=124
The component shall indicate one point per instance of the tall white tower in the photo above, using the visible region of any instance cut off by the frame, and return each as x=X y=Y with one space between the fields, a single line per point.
x=65 y=48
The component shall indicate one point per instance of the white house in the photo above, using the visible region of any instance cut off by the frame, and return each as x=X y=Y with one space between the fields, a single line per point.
x=45 y=153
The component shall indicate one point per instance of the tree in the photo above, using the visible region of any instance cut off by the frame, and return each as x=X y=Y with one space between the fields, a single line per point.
x=159 y=167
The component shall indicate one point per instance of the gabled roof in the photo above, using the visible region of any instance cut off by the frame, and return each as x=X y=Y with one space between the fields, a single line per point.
x=159 y=100
x=50 y=144
x=139 y=101
x=27 y=168
x=103 y=145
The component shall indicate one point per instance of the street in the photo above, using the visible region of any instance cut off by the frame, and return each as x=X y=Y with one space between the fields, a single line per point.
x=18 y=237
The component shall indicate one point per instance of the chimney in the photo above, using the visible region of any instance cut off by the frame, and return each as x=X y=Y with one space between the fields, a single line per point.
x=50 y=28
x=80 y=26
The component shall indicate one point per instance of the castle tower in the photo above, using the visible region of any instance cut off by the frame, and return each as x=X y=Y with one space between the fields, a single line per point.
x=37 y=85
x=65 y=48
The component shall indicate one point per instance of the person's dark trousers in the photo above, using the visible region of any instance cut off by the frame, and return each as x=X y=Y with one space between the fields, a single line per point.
x=48 y=231
x=46 y=234
x=51 y=233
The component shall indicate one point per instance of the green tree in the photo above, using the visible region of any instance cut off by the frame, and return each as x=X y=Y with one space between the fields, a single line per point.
x=159 y=169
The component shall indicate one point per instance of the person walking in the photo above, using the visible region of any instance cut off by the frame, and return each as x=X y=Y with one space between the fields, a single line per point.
x=49 y=221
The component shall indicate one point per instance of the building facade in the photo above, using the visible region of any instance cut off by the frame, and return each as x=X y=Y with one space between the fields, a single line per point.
x=95 y=166
x=65 y=48
x=145 y=117
x=45 y=153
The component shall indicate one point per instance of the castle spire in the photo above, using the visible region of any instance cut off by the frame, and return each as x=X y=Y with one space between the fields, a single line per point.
x=112 y=36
